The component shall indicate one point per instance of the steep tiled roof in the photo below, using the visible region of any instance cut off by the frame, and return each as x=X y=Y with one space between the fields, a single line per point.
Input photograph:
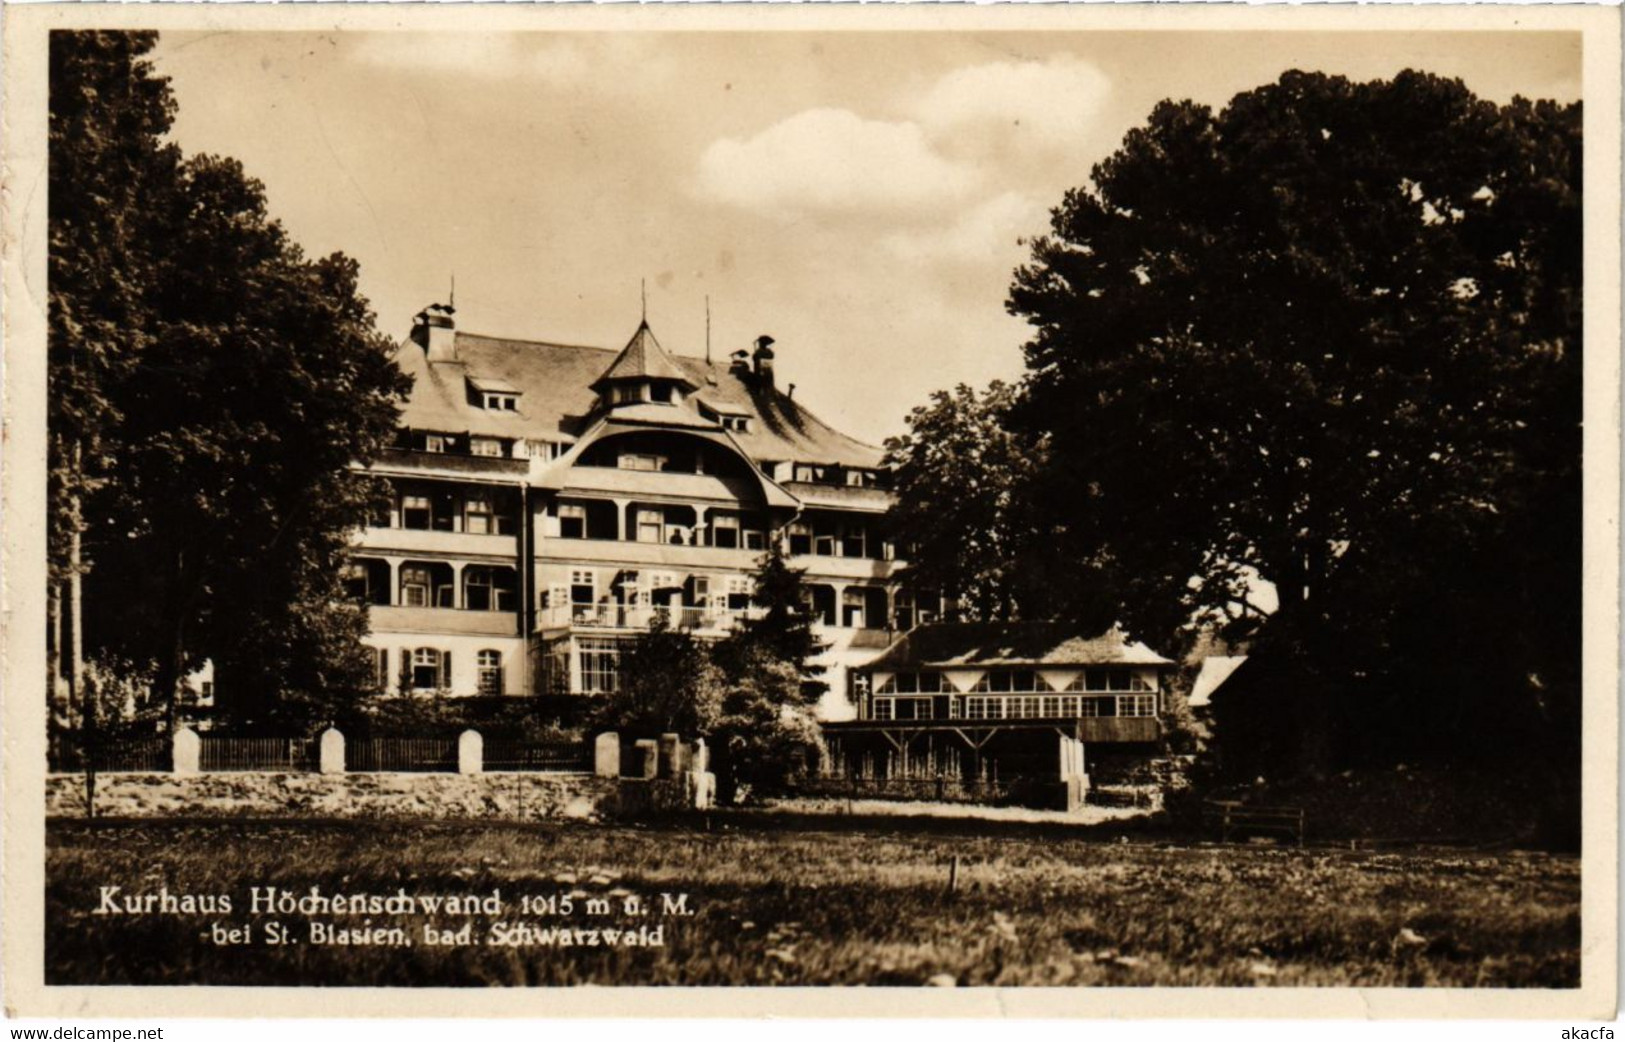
x=556 y=397
x=951 y=644
x=642 y=359
x=1216 y=669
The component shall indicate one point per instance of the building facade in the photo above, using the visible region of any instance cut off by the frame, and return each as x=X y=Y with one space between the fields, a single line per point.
x=550 y=501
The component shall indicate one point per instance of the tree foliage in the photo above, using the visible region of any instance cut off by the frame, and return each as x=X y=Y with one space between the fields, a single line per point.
x=975 y=524
x=218 y=387
x=668 y=685
x=1330 y=337
x=781 y=630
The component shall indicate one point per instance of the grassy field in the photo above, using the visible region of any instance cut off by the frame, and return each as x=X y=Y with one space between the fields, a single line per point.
x=784 y=903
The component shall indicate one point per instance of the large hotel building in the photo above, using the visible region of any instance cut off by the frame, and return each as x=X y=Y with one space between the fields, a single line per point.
x=551 y=501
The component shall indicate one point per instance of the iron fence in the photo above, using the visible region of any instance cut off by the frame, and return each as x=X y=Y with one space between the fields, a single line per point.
x=401 y=754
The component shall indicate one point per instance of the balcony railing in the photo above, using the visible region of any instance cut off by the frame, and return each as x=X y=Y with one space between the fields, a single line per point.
x=635 y=617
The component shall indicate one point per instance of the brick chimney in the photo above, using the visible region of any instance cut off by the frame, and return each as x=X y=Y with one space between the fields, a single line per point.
x=763 y=359
x=436 y=331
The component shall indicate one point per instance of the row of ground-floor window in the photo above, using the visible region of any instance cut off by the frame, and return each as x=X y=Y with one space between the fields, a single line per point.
x=408 y=669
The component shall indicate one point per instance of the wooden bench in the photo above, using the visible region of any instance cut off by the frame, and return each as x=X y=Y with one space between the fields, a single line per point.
x=1236 y=818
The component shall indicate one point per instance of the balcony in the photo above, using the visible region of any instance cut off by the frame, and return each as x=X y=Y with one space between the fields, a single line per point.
x=669 y=555
x=632 y=618
x=819 y=566
x=399 y=619
x=435 y=541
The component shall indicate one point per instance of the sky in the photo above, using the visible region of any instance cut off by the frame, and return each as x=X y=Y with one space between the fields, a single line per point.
x=862 y=197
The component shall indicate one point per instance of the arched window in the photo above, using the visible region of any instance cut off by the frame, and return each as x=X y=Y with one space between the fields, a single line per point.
x=490 y=672
x=431 y=668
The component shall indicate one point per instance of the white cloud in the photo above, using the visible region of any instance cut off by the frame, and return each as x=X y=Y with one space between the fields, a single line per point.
x=987 y=232
x=833 y=161
x=1051 y=105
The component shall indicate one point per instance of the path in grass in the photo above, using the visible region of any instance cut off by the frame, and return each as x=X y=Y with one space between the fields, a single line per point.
x=819 y=906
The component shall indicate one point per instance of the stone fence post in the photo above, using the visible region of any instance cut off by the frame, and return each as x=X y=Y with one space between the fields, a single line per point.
x=470 y=752
x=648 y=754
x=606 y=755
x=671 y=755
x=330 y=758
x=188 y=750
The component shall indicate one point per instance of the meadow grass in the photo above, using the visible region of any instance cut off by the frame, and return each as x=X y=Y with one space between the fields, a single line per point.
x=799 y=905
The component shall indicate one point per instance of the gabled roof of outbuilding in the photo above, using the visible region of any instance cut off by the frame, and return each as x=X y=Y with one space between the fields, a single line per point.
x=984 y=644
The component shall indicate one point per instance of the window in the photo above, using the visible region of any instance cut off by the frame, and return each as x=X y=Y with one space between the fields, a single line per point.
x=501 y=401
x=984 y=708
x=434 y=443
x=477 y=517
x=485 y=446
x=916 y=683
x=355 y=581
x=736 y=423
x=857 y=478
x=739 y=591
x=599 y=659
x=800 y=538
x=383 y=669
x=430 y=669
x=651 y=525
x=661 y=393
x=1137 y=705
x=853 y=541
x=583 y=586
x=725 y=531
x=807 y=472
x=415 y=584
x=641 y=461
x=1009 y=680
x=903 y=610
x=1093 y=707
x=490 y=672
x=572 y=521
x=755 y=539
x=824 y=544
x=205 y=691
x=902 y=709
x=416 y=513
x=628 y=393
x=488 y=589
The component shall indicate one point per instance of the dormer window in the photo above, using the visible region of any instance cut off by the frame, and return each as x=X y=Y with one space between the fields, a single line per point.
x=661 y=393
x=627 y=393
x=493 y=394
x=485 y=446
x=434 y=443
x=736 y=423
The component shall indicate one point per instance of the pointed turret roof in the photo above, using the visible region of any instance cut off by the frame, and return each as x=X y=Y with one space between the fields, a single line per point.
x=643 y=359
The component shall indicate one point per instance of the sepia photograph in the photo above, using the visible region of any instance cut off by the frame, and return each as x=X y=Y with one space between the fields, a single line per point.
x=1004 y=503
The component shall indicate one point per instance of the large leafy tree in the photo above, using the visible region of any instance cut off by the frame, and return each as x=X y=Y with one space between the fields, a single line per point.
x=1330 y=338
x=237 y=383
x=975 y=523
